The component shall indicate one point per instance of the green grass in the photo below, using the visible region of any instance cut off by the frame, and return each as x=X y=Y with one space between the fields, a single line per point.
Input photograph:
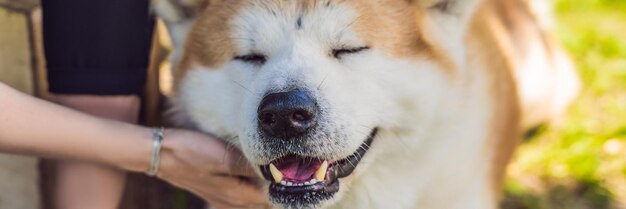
x=580 y=163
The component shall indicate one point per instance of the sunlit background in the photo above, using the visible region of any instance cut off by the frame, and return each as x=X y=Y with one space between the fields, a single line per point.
x=580 y=162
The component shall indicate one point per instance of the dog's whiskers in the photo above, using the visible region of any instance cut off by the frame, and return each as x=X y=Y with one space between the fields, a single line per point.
x=322 y=82
x=242 y=86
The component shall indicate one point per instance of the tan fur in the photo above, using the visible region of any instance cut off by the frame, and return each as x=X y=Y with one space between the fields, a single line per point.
x=503 y=31
x=517 y=30
x=210 y=32
x=379 y=17
x=486 y=41
x=500 y=31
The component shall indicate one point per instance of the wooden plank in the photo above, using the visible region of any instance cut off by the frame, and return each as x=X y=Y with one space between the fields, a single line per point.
x=18 y=174
x=39 y=60
x=20 y=5
x=15 y=59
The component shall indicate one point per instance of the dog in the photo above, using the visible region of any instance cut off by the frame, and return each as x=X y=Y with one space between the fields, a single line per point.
x=369 y=103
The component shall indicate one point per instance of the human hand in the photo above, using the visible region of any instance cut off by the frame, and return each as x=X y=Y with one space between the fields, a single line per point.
x=207 y=167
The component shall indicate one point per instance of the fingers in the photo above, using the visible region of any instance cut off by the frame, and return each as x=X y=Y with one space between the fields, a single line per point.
x=221 y=198
x=227 y=191
x=236 y=163
x=238 y=191
x=222 y=206
x=231 y=160
x=197 y=148
x=211 y=169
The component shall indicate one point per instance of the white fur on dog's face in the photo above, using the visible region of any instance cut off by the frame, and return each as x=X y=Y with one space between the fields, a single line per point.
x=393 y=88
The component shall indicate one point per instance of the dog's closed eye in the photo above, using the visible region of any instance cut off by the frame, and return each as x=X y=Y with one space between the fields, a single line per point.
x=338 y=53
x=256 y=59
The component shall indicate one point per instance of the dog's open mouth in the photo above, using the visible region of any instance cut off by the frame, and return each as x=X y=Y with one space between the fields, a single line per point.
x=300 y=178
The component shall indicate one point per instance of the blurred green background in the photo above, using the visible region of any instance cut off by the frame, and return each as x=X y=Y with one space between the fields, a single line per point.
x=580 y=162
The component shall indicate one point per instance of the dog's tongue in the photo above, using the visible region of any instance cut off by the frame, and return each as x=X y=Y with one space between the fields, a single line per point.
x=294 y=168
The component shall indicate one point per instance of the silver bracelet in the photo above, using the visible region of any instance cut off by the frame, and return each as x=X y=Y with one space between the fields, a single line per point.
x=157 y=139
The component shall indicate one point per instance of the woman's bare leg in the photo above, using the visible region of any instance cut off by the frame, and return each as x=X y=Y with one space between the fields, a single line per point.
x=83 y=185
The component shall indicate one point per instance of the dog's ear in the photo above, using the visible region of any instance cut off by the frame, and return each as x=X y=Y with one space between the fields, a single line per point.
x=446 y=22
x=451 y=14
x=179 y=16
x=174 y=11
x=458 y=8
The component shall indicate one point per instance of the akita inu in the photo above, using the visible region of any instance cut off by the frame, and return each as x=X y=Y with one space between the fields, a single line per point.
x=368 y=103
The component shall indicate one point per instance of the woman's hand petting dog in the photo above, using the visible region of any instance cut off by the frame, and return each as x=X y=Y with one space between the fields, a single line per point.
x=209 y=168
x=191 y=160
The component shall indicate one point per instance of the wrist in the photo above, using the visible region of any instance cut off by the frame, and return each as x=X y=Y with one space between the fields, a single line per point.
x=138 y=151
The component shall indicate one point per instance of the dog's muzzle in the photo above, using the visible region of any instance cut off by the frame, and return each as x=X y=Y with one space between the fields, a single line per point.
x=300 y=181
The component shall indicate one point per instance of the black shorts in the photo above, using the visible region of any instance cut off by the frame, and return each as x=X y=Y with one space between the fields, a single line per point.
x=97 y=47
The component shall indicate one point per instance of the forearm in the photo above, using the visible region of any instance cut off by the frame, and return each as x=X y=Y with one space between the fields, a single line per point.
x=35 y=127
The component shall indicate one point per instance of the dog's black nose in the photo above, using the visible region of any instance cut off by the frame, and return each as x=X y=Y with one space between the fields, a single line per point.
x=287 y=115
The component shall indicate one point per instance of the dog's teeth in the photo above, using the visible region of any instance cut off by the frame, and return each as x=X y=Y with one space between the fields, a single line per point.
x=313 y=181
x=289 y=184
x=276 y=174
x=283 y=182
x=320 y=174
x=300 y=184
x=307 y=183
